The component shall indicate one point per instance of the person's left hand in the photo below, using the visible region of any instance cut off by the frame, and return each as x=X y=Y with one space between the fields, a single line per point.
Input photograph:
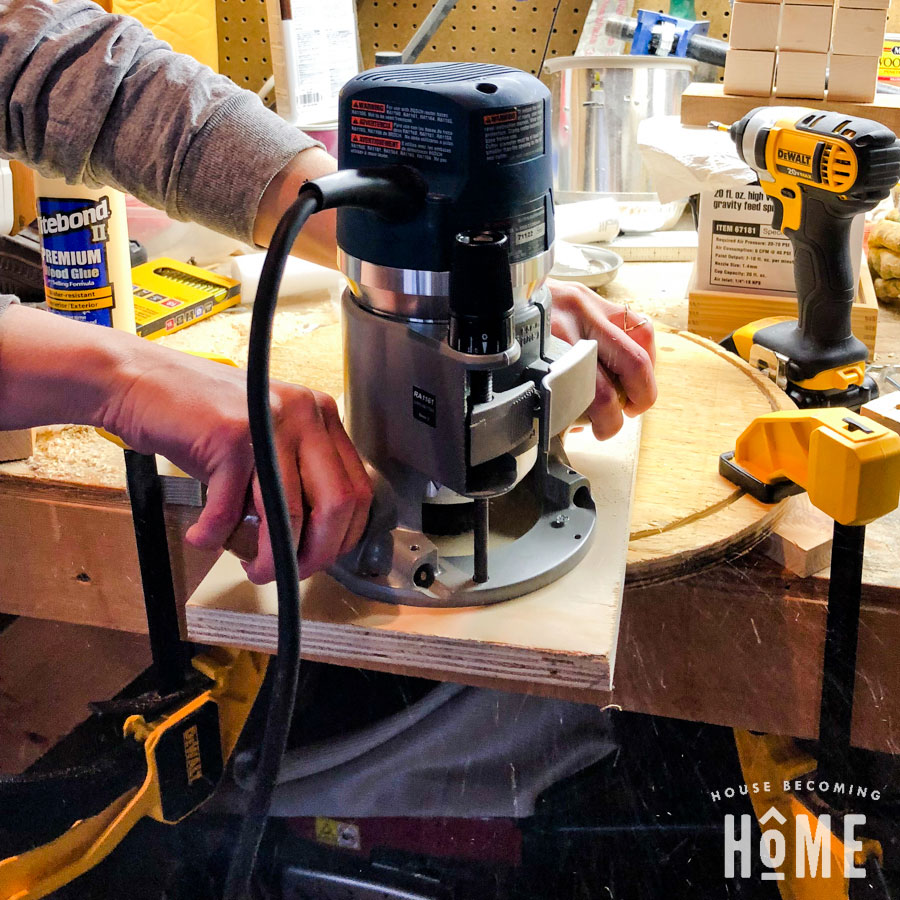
x=625 y=352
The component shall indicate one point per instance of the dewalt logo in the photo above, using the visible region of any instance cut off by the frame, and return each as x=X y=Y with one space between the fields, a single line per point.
x=193 y=763
x=792 y=156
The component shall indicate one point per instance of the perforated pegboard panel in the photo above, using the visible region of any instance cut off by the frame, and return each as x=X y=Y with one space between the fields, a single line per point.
x=509 y=32
x=244 y=42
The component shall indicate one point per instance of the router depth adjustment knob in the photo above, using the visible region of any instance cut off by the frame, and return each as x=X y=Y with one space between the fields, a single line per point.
x=481 y=296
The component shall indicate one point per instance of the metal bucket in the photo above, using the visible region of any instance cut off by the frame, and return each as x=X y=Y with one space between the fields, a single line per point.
x=597 y=104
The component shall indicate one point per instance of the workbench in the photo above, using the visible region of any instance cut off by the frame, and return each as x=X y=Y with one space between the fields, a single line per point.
x=738 y=644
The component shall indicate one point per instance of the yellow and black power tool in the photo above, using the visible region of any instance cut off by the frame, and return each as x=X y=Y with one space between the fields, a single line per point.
x=821 y=169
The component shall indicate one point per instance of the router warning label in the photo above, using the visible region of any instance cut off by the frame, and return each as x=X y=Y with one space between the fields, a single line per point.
x=515 y=134
x=389 y=130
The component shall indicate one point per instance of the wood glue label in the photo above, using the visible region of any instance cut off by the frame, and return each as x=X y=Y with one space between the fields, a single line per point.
x=74 y=239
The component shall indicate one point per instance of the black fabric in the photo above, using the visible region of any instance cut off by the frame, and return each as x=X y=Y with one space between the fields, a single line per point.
x=36 y=808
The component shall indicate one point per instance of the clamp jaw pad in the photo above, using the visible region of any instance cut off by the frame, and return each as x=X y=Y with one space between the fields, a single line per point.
x=849 y=465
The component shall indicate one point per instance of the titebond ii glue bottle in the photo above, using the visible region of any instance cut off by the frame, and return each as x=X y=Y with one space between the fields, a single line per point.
x=85 y=253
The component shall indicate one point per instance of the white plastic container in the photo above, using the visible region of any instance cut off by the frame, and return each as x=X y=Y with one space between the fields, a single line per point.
x=85 y=253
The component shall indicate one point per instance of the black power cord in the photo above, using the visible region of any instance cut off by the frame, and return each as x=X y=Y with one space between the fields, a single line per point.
x=397 y=193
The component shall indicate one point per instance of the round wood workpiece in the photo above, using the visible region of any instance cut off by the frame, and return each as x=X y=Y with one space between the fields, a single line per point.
x=685 y=516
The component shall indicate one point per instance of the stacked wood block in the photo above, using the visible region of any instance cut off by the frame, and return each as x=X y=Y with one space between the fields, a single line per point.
x=16 y=444
x=803 y=43
x=855 y=48
x=791 y=49
x=750 y=63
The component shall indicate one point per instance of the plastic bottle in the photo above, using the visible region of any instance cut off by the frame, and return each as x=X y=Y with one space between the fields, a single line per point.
x=85 y=253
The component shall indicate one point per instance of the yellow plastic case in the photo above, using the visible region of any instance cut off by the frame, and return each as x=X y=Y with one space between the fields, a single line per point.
x=170 y=295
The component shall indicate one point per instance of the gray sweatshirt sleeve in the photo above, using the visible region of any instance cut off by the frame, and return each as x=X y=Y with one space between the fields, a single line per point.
x=96 y=98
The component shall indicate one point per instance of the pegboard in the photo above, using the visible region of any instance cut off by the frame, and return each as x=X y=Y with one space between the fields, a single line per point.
x=507 y=32
x=244 y=54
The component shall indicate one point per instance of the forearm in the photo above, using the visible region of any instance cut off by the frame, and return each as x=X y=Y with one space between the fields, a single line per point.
x=94 y=97
x=317 y=239
x=67 y=375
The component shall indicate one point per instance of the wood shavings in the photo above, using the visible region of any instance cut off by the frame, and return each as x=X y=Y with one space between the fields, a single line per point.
x=227 y=334
x=884 y=262
x=76 y=454
x=886 y=233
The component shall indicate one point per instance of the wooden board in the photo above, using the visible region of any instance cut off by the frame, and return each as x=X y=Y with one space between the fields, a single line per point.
x=743 y=647
x=562 y=633
x=69 y=554
x=686 y=517
x=885 y=410
x=801 y=541
x=16 y=444
x=704 y=103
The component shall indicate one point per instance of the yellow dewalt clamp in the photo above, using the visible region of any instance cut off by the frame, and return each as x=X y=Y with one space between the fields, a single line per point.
x=175 y=739
x=821 y=169
x=184 y=751
x=850 y=467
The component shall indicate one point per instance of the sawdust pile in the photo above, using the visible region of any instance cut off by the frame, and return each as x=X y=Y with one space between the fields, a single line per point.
x=75 y=454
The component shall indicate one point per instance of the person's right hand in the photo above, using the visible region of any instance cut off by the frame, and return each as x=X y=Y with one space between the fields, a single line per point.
x=194 y=412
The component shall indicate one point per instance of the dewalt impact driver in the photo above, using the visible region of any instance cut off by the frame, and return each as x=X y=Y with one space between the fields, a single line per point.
x=821 y=170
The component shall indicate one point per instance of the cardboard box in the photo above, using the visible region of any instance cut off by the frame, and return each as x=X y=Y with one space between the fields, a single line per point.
x=738 y=249
x=754 y=26
x=805 y=27
x=170 y=295
x=852 y=77
x=858 y=32
x=715 y=314
x=800 y=74
x=749 y=73
x=889 y=62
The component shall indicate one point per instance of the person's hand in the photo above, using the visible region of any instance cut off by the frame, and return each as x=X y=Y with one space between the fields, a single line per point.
x=625 y=352
x=194 y=412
